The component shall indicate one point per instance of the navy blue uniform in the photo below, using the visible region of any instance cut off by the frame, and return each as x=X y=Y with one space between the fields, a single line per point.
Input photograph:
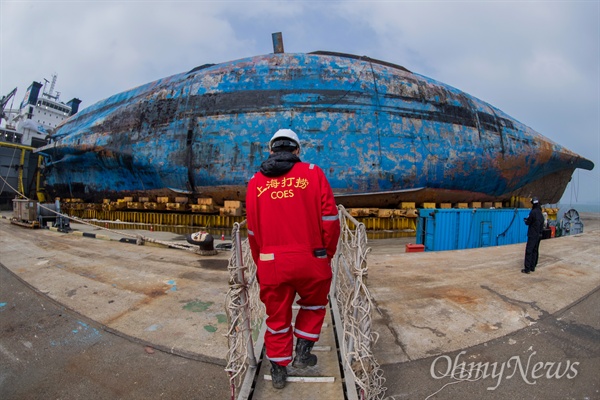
x=535 y=223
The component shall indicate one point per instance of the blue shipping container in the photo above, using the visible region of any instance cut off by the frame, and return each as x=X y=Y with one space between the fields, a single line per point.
x=468 y=228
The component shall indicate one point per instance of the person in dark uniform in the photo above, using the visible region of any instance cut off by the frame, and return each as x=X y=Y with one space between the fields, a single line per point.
x=535 y=223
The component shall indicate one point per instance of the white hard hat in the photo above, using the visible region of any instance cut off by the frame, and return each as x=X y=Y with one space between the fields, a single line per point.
x=285 y=133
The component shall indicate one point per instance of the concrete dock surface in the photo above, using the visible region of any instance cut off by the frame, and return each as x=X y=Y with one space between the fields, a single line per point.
x=434 y=311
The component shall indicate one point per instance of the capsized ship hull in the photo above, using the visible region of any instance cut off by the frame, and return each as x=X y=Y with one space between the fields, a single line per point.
x=381 y=133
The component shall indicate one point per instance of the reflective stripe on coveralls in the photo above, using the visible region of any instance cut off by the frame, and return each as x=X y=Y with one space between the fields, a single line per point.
x=279 y=359
x=279 y=331
x=312 y=307
x=285 y=359
x=310 y=335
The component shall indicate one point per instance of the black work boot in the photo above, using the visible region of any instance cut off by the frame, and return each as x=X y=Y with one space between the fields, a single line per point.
x=278 y=375
x=303 y=357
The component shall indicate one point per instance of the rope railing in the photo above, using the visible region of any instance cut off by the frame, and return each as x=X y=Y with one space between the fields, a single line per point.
x=245 y=311
x=355 y=306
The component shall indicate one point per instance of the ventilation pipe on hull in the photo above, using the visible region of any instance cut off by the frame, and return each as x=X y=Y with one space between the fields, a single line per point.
x=277 y=42
x=74 y=104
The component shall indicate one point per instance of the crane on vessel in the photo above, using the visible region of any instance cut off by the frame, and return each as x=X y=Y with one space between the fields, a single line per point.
x=4 y=102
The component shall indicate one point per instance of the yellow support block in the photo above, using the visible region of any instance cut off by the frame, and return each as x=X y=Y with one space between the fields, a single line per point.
x=135 y=205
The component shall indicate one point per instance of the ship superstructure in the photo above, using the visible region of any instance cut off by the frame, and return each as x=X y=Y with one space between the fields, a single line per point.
x=24 y=128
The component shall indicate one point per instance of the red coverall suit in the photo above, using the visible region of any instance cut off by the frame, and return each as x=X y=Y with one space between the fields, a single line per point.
x=290 y=216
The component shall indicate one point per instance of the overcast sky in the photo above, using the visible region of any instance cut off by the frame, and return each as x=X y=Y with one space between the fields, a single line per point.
x=538 y=61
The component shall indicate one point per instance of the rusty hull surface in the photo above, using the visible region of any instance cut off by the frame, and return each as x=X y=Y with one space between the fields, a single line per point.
x=428 y=303
x=381 y=133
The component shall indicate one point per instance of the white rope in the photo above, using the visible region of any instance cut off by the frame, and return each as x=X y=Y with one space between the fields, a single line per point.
x=356 y=306
x=140 y=238
x=456 y=376
x=245 y=312
x=8 y=171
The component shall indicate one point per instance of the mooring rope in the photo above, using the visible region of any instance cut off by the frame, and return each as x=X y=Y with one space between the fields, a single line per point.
x=8 y=171
x=140 y=239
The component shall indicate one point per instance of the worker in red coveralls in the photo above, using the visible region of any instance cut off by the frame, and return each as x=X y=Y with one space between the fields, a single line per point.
x=293 y=230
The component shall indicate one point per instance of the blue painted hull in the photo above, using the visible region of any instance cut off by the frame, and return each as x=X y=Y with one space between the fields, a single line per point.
x=381 y=133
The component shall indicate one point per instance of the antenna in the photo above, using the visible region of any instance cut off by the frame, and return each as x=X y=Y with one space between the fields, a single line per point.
x=50 y=93
x=54 y=76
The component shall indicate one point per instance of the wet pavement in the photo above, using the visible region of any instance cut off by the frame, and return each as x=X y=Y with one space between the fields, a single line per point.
x=50 y=352
x=92 y=318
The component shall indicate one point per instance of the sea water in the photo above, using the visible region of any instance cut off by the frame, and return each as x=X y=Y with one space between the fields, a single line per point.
x=579 y=207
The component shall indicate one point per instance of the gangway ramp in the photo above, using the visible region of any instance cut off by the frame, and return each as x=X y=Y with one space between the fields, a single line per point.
x=346 y=365
x=323 y=381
